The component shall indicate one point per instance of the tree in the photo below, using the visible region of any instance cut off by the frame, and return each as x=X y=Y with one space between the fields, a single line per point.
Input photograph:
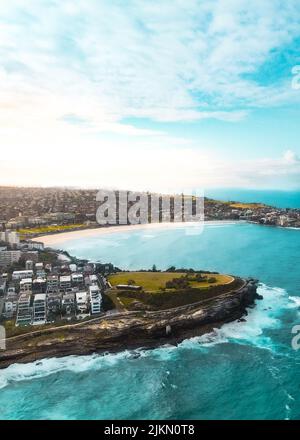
x=130 y=282
x=171 y=269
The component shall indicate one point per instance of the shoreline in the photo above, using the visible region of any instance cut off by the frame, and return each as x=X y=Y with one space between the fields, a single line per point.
x=59 y=237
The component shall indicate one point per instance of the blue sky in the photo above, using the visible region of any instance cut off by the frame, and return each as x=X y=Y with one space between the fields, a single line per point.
x=164 y=95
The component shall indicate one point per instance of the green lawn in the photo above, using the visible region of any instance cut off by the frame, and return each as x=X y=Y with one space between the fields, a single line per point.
x=149 y=281
x=50 y=228
x=154 y=281
x=220 y=280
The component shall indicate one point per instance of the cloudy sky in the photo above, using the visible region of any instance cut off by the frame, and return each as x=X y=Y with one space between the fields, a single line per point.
x=150 y=95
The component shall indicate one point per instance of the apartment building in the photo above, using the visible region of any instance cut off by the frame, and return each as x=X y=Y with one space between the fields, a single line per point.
x=52 y=283
x=95 y=299
x=9 y=257
x=26 y=285
x=18 y=275
x=54 y=302
x=82 y=302
x=68 y=303
x=10 y=237
x=29 y=265
x=39 y=285
x=65 y=282
x=10 y=305
x=24 y=313
x=39 y=309
x=77 y=279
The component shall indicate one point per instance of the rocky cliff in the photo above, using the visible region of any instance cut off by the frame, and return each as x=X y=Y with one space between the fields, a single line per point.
x=132 y=329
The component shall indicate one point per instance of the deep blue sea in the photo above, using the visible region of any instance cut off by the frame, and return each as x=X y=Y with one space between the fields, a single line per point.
x=245 y=370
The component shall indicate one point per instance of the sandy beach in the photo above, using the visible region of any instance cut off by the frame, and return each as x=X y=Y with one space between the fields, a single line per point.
x=51 y=240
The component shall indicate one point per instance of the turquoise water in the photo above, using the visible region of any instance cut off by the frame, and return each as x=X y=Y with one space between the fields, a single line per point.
x=281 y=199
x=244 y=370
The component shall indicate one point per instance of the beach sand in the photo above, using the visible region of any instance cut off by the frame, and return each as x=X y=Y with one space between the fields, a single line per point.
x=51 y=240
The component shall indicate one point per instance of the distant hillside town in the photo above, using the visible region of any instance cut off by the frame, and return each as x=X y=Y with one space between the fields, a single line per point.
x=39 y=211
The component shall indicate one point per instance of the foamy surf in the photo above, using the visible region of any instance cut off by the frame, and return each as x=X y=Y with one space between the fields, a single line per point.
x=47 y=367
x=265 y=315
x=295 y=301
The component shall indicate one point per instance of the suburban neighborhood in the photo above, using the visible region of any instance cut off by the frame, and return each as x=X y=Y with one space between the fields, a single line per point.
x=39 y=287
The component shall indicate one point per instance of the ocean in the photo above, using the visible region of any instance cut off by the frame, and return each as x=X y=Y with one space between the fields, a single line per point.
x=245 y=370
x=280 y=199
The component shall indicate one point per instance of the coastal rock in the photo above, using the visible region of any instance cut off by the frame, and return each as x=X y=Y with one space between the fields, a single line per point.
x=141 y=329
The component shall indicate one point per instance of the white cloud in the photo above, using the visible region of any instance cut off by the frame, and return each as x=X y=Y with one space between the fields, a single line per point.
x=104 y=61
x=290 y=157
x=71 y=72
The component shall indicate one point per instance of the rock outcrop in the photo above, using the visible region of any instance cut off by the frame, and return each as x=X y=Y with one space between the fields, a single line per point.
x=130 y=330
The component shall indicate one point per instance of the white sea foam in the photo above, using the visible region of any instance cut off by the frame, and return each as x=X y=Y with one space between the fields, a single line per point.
x=295 y=301
x=46 y=367
x=265 y=315
x=220 y=224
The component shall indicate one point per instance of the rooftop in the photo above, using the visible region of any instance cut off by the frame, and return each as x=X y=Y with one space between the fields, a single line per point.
x=40 y=297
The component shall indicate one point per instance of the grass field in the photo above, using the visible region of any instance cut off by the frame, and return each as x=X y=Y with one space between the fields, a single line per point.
x=155 y=296
x=154 y=281
x=50 y=228
x=220 y=280
x=149 y=281
x=246 y=205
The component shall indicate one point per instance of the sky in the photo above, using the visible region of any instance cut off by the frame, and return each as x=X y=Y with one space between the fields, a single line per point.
x=161 y=95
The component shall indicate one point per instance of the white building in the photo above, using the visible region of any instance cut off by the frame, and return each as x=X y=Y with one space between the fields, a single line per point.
x=9 y=257
x=39 y=266
x=39 y=309
x=21 y=274
x=73 y=267
x=10 y=305
x=29 y=265
x=82 y=302
x=95 y=299
x=91 y=280
x=10 y=237
x=52 y=283
x=24 y=314
x=26 y=285
x=77 y=278
x=65 y=282
x=36 y=245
